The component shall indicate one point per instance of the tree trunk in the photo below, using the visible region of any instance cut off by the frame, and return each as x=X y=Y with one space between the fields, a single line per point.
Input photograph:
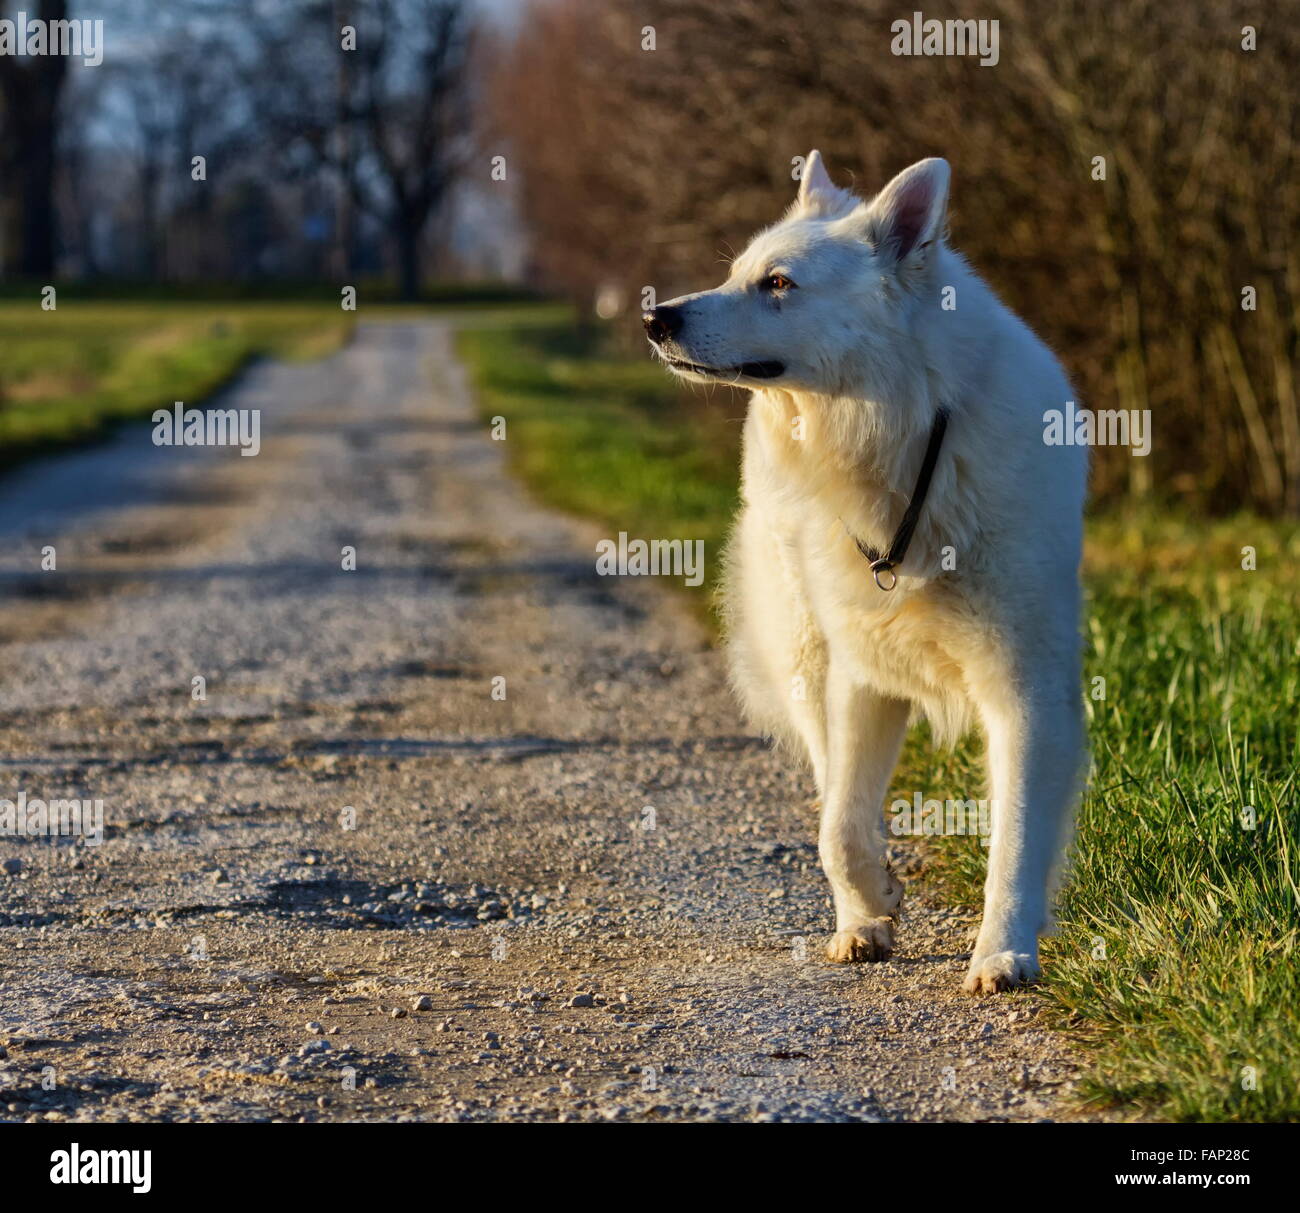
x=30 y=88
x=408 y=258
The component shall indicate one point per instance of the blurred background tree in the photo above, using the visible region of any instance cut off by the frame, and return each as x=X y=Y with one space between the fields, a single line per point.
x=642 y=167
x=319 y=161
x=31 y=88
x=1126 y=175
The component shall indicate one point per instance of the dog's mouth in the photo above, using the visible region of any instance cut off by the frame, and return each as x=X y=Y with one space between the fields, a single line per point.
x=747 y=370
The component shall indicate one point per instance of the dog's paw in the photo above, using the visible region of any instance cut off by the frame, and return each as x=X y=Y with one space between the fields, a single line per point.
x=872 y=940
x=1000 y=971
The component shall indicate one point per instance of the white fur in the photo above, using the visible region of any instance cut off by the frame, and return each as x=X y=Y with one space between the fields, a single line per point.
x=820 y=656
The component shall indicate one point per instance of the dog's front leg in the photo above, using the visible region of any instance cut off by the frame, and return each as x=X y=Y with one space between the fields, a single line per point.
x=1036 y=754
x=864 y=732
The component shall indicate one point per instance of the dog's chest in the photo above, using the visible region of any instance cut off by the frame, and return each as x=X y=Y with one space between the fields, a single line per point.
x=908 y=641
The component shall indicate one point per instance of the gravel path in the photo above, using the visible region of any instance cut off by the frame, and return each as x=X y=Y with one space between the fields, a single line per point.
x=353 y=884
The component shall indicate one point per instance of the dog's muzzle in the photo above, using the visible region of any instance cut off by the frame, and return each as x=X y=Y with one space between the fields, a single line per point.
x=662 y=323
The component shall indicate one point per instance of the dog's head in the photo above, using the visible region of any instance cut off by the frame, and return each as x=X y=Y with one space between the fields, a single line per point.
x=822 y=298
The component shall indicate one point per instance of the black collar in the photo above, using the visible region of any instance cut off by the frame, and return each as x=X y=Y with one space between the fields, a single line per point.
x=903 y=536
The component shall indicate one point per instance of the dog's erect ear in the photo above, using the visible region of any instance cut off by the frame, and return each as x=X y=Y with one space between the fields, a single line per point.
x=909 y=212
x=818 y=194
x=814 y=181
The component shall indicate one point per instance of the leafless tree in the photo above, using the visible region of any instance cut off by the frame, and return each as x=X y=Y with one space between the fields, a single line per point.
x=389 y=118
x=1123 y=174
x=30 y=90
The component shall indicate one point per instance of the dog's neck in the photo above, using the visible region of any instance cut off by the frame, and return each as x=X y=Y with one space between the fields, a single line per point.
x=814 y=438
x=856 y=459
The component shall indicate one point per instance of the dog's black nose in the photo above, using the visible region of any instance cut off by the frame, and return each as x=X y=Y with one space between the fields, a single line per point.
x=662 y=323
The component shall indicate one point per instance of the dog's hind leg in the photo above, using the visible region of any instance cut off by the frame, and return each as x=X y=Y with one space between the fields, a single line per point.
x=864 y=731
x=1036 y=753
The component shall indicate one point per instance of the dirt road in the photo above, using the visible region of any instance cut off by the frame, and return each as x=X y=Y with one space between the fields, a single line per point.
x=352 y=882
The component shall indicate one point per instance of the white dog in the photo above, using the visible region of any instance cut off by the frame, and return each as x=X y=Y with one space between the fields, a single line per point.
x=891 y=391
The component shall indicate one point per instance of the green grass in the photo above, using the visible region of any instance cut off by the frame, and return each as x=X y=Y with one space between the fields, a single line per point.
x=70 y=373
x=1178 y=956
x=601 y=435
x=1178 y=950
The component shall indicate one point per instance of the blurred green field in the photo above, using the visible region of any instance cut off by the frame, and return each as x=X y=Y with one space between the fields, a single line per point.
x=604 y=435
x=1178 y=955
x=67 y=374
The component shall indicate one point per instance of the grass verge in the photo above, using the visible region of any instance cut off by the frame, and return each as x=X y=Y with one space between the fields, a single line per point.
x=70 y=373
x=1177 y=955
x=606 y=436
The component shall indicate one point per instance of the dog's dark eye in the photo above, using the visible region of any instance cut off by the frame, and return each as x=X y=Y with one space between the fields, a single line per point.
x=775 y=282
